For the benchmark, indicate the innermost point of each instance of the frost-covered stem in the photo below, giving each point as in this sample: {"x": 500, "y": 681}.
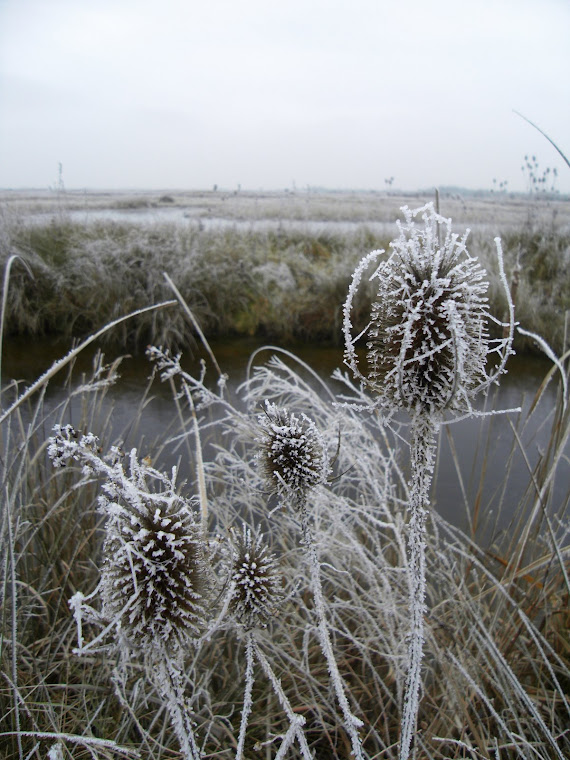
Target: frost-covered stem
{"x": 296, "y": 721}
{"x": 247, "y": 700}
{"x": 169, "y": 682}
{"x": 423, "y": 449}
{"x": 351, "y": 721}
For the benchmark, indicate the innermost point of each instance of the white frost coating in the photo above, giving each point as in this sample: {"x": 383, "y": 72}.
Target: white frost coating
{"x": 247, "y": 700}
{"x": 296, "y": 721}
{"x": 294, "y": 461}
{"x": 349, "y": 341}
{"x": 351, "y": 722}
{"x": 292, "y": 455}
{"x": 56, "y": 751}
{"x": 256, "y": 584}
{"x": 423, "y": 450}
{"x": 553, "y": 358}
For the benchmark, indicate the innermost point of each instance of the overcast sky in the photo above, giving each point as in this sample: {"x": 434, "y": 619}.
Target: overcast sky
{"x": 275, "y": 94}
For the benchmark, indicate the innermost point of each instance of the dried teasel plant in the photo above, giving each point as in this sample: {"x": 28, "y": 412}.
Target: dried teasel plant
{"x": 428, "y": 339}
{"x": 428, "y": 353}
{"x": 255, "y": 592}
{"x": 256, "y": 584}
{"x": 156, "y": 582}
{"x": 294, "y": 463}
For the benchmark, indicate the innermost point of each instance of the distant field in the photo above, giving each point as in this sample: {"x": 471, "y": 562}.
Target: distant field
{"x": 357, "y": 206}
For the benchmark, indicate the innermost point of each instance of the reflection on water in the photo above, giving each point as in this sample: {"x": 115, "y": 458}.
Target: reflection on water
{"x": 481, "y": 469}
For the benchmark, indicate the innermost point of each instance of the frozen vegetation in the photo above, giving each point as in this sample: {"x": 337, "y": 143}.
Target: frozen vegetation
{"x": 271, "y": 265}
{"x": 296, "y": 595}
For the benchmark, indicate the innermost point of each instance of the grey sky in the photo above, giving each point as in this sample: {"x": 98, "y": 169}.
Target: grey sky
{"x": 341, "y": 94}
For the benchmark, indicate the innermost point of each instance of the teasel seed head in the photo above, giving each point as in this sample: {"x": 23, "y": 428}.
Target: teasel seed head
{"x": 428, "y": 338}
{"x": 256, "y": 581}
{"x": 293, "y": 457}
{"x": 156, "y": 580}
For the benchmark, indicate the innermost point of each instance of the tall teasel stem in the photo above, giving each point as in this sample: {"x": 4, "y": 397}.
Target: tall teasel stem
{"x": 423, "y": 449}
{"x": 255, "y": 593}
{"x": 156, "y": 580}
{"x": 169, "y": 682}
{"x": 247, "y": 698}
{"x": 296, "y": 721}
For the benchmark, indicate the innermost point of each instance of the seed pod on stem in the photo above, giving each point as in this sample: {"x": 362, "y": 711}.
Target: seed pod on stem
{"x": 156, "y": 581}
{"x": 292, "y": 454}
{"x": 256, "y": 581}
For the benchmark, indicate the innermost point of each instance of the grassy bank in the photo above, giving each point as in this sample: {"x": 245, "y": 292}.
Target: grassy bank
{"x": 284, "y": 283}
{"x": 281, "y": 284}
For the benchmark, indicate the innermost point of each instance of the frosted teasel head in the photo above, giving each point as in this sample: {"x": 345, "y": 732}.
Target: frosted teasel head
{"x": 256, "y": 582}
{"x": 156, "y": 580}
{"x": 292, "y": 454}
{"x": 428, "y": 337}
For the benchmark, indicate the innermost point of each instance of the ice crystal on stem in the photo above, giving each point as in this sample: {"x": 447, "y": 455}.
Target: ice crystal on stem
{"x": 428, "y": 347}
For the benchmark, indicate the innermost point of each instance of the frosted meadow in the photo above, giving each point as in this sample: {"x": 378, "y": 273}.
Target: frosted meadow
{"x": 296, "y": 596}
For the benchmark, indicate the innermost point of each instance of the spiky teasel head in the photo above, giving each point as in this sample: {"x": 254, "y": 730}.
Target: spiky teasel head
{"x": 256, "y": 581}
{"x": 292, "y": 456}
{"x": 156, "y": 580}
{"x": 428, "y": 336}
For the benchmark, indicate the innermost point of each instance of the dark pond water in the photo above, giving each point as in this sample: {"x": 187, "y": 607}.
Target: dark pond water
{"x": 493, "y": 474}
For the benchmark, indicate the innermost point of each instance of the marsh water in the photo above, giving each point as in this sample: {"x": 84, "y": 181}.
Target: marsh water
{"x": 482, "y": 469}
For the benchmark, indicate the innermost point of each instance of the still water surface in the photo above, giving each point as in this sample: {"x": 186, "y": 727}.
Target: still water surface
{"x": 493, "y": 471}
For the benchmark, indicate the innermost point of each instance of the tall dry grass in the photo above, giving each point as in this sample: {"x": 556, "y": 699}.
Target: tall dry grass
{"x": 496, "y": 670}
